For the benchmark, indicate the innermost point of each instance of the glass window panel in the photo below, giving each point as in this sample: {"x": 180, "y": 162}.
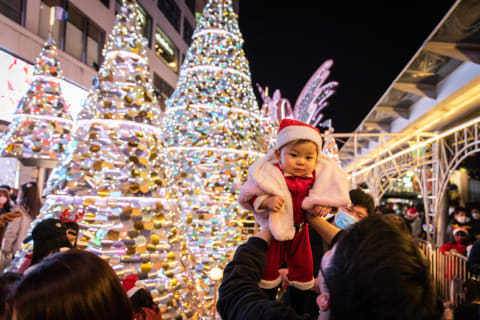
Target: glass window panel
{"x": 12, "y": 9}
{"x": 171, "y": 11}
{"x": 187, "y": 31}
{"x": 166, "y": 50}
{"x": 44, "y": 21}
{"x": 191, "y": 5}
{"x": 74, "y": 41}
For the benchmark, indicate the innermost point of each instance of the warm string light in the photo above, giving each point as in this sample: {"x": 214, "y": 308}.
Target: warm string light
{"x": 113, "y": 178}
{"x": 43, "y": 118}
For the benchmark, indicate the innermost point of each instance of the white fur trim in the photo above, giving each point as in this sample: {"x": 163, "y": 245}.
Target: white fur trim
{"x": 265, "y": 284}
{"x": 133, "y": 290}
{"x": 292, "y": 133}
{"x": 303, "y": 285}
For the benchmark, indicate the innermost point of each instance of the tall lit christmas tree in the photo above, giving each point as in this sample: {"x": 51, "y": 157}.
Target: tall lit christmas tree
{"x": 41, "y": 126}
{"x": 113, "y": 177}
{"x": 213, "y": 133}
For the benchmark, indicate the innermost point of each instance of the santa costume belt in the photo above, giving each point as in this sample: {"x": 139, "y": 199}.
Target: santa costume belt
{"x": 299, "y": 227}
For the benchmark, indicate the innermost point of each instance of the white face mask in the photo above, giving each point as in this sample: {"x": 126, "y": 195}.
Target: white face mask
{"x": 3, "y": 200}
{"x": 461, "y": 219}
{"x": 475, "y": 215}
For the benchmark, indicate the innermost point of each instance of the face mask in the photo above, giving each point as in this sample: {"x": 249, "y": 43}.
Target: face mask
{"x": 344, "y": 220}
{"x": 3, "y": 200}
{"x": 461, "y": 219}
{"x": 475, "y": 216}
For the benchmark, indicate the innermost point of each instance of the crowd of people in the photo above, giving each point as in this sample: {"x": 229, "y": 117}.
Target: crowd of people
{"x": 323, "y": 252}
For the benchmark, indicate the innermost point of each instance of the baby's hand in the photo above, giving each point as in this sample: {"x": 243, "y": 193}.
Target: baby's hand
{"x": 320, "y": 211}
{"x": 273, "y": 203}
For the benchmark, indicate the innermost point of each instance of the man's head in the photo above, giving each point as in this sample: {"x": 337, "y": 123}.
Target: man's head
{"x": 460, "y": 215}
{"x": 362, "y": 207}
{"x": 378, "y": 272}
{"x": 475, "y": 214}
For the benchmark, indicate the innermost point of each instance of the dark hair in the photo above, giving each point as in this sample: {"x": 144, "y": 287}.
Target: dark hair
{"x": 378, "y": 272}
{"x": 72, "y": 285}
{"x": 8, "y": 280}
{"x": 143, "y": 299}
{"x": 50, "y": 242}
{"x": 460, "y": 209}
{"x": 363, "y": 199}
{"x": 30, "y": 199}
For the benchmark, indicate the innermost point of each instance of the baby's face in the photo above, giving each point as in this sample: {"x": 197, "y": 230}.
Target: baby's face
{"x": 298, "y": 159}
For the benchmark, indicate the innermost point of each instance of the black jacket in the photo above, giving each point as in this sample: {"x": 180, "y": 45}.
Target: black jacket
{"x": 240, "y": 297}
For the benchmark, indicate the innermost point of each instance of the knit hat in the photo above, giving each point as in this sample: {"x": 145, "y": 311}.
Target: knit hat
{"x": 460, "y": 229}
{"x": 50, "y": 232}
{"x": 131, "y": 286}
{"x": 412, "y": 212}
{"x": 291, "y": 130}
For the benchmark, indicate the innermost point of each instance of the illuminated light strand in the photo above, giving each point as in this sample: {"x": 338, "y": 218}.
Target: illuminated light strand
{"x": 216, "y": 31}
{"x": 419, "y": 130}
{"x": 141, "y": 126}
{"x": 125, "y": 54}
{"x": 210, "y": 107}
{"x": 217, "y": 69}
{"x": 41, "y": 117}
{"x": 46, "y": 78}
{"x": 241, "y": 152}
{"x": 420, "y": 145}
{"x": 146, "y": 199}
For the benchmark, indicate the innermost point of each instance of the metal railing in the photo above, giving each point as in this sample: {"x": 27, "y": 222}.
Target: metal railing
{"x": 448, "y": 271}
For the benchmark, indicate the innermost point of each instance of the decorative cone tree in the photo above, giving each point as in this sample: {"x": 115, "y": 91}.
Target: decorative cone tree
{"x": 213, "y": 133}
{"x": 113, "y": 177}
{"x": 42, "y": 124}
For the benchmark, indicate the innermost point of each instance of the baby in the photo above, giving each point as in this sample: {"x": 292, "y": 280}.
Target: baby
{"x": 290, "y": 179}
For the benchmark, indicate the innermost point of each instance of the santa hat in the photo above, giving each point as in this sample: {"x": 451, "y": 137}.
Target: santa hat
{"x": 131, "y": 286}
{"x": 460, "y": 229}
{"x": 412, "y": 212}
{"x": 291, "y": 130}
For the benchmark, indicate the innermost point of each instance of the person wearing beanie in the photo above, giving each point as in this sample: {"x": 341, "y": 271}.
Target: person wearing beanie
{"x": 142, "y": 301}
{"x": 290, "y": 180}
{"x": 414, "y": 221}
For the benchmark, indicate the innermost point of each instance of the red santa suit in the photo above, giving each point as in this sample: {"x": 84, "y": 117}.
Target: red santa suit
{"x": 327, "y": 187}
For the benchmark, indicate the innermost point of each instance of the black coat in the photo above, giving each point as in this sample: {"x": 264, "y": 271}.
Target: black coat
{"x": 240, "y": 297}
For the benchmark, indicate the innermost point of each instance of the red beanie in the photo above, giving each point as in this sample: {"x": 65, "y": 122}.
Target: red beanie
{"x": 291, "y": 130}
{"x": 131, "y": 286}
{"x": 412, "y": 212}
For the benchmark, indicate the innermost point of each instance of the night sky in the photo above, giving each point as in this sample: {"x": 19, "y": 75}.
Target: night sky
{"x": 370, "y": 42}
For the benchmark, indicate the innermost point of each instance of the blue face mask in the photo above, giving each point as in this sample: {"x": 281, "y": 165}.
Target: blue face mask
{"x": 343, "y": 220}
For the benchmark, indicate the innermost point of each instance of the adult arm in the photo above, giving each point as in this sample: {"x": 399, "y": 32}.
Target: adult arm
{"x": 240, "y": 297}
{"x": 327, "y": 231}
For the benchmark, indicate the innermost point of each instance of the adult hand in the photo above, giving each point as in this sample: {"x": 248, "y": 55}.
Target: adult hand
{"x": 265, "y": 234}
{"x": 321, "y": 211}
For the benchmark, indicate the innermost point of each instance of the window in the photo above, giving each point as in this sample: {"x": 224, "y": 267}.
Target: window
{"x": 13, "y": 9}
{"x": 74, "y": 33}
{"x": 166, "y": 50}
{"x": 106, "y": 3}
{"x": 145, "y": 20}
{"x": 171, "y": 12}
{"x": 162, "y": 89}
{"x": 95, "y": 41}
{"x": 44, "y": 21}
{"x": 191, "y": 5}
{"x": 187, "y": 31}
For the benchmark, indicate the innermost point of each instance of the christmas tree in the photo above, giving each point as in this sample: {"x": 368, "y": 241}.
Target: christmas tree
{"x": 41, "y": 125}
{"x": 213, "y": 133}
{"x": 113, "y": 177}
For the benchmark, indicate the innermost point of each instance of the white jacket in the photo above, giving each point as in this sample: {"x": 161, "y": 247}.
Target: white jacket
{"x": 331, "y": 188}
{"x": 16, "y": 232}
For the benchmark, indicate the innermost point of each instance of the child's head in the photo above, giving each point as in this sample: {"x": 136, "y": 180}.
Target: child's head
{"x": 298, "y": 147}
{"x": 460, "y": 235}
